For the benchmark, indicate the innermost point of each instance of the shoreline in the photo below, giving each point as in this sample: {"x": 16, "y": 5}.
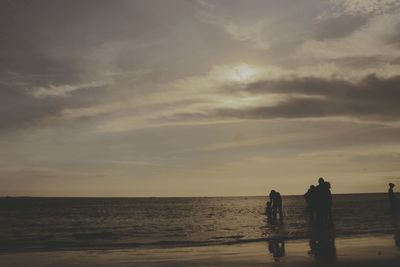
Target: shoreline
{"x": 342, "y": 251}
{"x": 191, "y": 244}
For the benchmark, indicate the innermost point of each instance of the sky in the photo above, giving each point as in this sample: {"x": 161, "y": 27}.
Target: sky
{"x": 198, "y": 98}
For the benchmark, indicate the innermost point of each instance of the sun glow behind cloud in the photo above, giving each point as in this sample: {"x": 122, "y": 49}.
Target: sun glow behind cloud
{"x": 241, "y": 72}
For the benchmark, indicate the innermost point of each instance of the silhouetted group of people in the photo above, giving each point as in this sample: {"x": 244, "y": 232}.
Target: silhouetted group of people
{"x": 319, "y": 201}
{"x": 319, "y": 206}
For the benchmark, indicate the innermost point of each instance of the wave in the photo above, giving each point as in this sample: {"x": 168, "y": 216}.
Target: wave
{"x": 227, "y": 240}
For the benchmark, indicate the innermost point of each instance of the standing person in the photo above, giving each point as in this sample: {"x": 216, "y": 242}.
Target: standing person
{"x": 323, "y": 200}
{"x": 329, "y": 201}
{"x": 393, "y": 201}
{"x": 276, "y": 201}
{"x": 310, "y": 200}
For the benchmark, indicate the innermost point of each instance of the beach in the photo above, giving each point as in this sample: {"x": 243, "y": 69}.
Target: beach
{"x": 234, "y": 231}
{"x": 350, "y": 251}
{"x": 196, "y": 133}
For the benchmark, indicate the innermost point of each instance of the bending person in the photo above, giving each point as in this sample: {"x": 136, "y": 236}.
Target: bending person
{"x": 276, "y": 203}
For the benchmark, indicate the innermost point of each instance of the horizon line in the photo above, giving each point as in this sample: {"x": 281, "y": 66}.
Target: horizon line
{"x": 354, "y": 193}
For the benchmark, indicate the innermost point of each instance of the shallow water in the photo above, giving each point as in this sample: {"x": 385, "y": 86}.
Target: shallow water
{"x": 83, "y": 223}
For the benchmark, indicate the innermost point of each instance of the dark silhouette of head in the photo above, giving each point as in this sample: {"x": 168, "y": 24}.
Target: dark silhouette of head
{"x": 391, "y": 185}
{"x": 272, "y": 191}
{"x": 321, "y": 180}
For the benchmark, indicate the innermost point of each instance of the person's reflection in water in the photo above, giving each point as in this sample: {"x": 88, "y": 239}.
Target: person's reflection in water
{"x": 273, "y": 231}
{"x": 396, "y": 224}
{"x": 322, "y": 243}
{"x": 277, "y": 248}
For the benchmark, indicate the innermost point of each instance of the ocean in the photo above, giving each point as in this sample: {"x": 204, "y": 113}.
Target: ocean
{"x": 46, "y": 224}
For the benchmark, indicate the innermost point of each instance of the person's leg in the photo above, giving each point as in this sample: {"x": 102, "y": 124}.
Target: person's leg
{"x": 330, "y": 213}
{"x": 274, "y": 211}
{"x": 319, "y": 214}
{"x": 312, "y": 213}
{"x": 280, "y": 212}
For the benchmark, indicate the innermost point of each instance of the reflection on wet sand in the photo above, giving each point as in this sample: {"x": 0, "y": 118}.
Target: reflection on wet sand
{"x": 276, "y": 245}
{"x": 322, "y": 243}
{"x": 277, "y": 249}
{"x": 396, "y": 224}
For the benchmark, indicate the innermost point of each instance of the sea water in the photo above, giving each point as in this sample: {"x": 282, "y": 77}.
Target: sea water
{"x": 105, "y": 223}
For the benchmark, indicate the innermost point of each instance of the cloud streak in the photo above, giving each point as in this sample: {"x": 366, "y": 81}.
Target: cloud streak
{"x": 65, "y": 90}
{"x": 371, "y": 98}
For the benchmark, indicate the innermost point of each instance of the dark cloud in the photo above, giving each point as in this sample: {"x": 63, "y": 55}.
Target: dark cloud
{"x": 338, "y": 27}
{"x": 55, "y": 36}
{"x": 361, "y": 62}
{"x": 395, "y": 61}
{"x": 20, "y": 109}
{"x": 393, "y": 37}
{"x": 371, "y": 98}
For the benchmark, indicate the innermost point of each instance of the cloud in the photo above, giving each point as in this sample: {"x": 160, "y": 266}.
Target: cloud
{"x": 379, "y": 37}
{"x": 371, "y": 98}
{"x": 367, "y": 7}
{"x": 229, "y": 93}
{"x": 29, "y": 106}
{"x": 251, "y": 33}
{"x": 65, "y": 90}
{"x": 337, "y": 27}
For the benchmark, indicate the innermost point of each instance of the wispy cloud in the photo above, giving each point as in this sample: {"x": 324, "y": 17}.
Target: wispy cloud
{"x": 66, "y": 90}
{"x": 251, "y": 33}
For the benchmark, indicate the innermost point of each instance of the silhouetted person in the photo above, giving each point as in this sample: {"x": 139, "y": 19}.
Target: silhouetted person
{"x": 310, "y": 200}
{"x": 276, "y": 203}
{"x": 323, "y": 201}
{"x": 268, "y": 211}
{"x": 277, "y": 248}
{"x": 393, "y": 201}
{"x": 329, "y": 201}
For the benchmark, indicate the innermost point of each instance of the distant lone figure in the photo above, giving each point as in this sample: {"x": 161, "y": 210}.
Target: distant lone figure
{"x": 393, "y": 201}
{"x": 276, "y": 203}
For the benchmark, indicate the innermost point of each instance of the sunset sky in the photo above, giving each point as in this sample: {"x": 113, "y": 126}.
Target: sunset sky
{"x": 198, "y": 98}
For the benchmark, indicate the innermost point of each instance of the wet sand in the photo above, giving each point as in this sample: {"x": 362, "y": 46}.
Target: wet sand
{"x": 355, "y": 251}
